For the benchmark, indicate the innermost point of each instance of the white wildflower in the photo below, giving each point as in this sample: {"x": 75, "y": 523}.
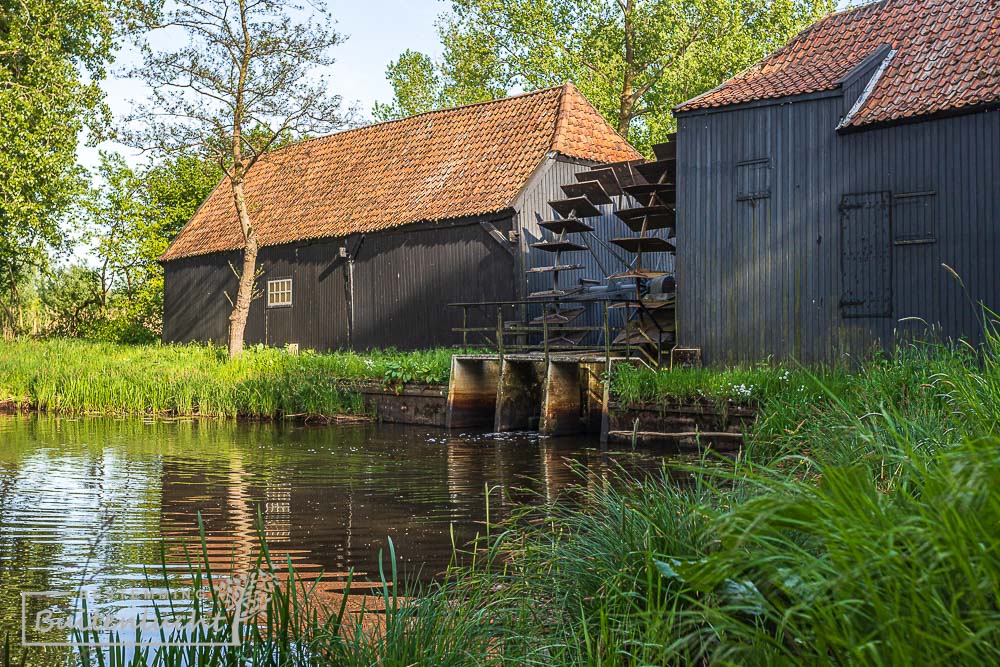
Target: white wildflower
{"x": 741, "y": 391}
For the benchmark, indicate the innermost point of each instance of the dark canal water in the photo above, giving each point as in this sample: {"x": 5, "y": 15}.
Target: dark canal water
{"x": 96, "y": 503}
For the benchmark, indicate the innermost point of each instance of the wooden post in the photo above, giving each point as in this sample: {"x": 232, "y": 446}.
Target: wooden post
{"x": 465, "y": 326}
{"x": 500, "y": 332}
{"x": 545, "y": 335}
{"x": 607, "y": 335}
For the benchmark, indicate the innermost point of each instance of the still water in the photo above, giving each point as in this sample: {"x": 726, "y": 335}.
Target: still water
{"x": 96, "y": 503}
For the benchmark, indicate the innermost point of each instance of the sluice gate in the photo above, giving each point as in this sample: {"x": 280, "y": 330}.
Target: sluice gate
{"x": 553, "y": 394}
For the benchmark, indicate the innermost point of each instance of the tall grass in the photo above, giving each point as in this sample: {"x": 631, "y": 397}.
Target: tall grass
{"x": 861, "y": 526}
{"x": 931, "y": 390}
{"x": 86, "y": 377}
{"x": 878, "y": 544}
{"x": 301, "y": 624}
{"x": 753, "y": 384}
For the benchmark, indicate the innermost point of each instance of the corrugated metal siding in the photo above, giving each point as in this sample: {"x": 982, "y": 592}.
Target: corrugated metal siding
{"x": 764, "y": 282}
{"x": 403, "y": 280}
{"x": 602, "y": 260}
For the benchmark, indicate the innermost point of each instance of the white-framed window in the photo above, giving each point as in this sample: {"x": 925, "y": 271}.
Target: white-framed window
{"x": 279, "y": 293}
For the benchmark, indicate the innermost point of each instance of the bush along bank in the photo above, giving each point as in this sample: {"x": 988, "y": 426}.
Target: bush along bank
{"x": 80, "y": 377}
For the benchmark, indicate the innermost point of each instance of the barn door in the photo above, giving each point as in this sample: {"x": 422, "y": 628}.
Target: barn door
{"x": 866, "y": 255}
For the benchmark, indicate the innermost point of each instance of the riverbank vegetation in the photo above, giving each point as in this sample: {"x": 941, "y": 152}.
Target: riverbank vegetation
{"x": 79, "y": 377}
{"x": 860, "y": 526}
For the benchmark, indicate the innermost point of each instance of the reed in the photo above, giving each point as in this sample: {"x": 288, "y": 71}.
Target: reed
{"x": 71, "y": 376}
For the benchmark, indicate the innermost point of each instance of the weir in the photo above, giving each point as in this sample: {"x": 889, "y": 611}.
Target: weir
{"x": 553, "y": 394}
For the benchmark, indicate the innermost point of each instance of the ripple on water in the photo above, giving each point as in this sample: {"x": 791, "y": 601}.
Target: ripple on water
{"x": 97, "y": 503}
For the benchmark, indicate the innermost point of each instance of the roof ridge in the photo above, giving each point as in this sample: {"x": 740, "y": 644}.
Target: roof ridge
{"x": 383, "y": 123}
{"x": 848, "y": 10}
{"x": 557, "y": 126}
{"x": 455, "y": 164}
{"x": 499, "y": 100}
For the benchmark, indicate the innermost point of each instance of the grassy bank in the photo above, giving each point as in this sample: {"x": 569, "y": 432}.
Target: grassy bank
{"x": 861, "y": 526}
{"x": 70, "y": 376}
{"x": 930, "y": 390}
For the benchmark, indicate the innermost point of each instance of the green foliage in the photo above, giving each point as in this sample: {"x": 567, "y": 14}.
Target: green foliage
{"x": 129, "y": 219}
{"x": 758, "y": 566}
{"x": 798, "y": 409}
{"x": 72, "y": 376}
{"x": 749, "y": 385}
{"x": 877, "y": 544}
{"x": 634, "y": 59}
{"x": 884, "y": 553}
{"x": 53, "y": 55}
{"x": 427, "y": 367}
{"x": 176, "y": 186}
{"x": 126, "y": 220}
{"x": 73, "y": 301}
{"x": 417, "y": 86}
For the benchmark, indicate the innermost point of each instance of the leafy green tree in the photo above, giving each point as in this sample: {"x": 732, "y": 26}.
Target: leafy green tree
{"x": 176, "y": 186}
{"x": 53, "y": 54}
{"x": 417, "y": 84}
{"x": 124, "y": 234}
{"x": 241, "y": 65}
{"x": 634, "y": 59}
{"x": 129, "y": 217}
{"x": 71, "y": 297}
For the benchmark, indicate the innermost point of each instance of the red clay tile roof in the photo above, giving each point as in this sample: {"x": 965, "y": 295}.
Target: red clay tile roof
{"x": 470, "y": 160}
{"x": 947, "y": 58}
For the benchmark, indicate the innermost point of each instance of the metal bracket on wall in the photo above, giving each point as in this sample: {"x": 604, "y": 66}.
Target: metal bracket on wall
{"x": 498, "y": 236}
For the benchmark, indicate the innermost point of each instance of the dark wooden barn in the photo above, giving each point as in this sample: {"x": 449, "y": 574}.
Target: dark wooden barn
{"x": 826, "y": 195}
{"x": 367, "y": 235}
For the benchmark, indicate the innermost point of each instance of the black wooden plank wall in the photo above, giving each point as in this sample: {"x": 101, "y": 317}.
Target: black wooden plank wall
{"x": 761, "y": 200}
{"x": 403, "y": 280}
{"x": 194, "y": 298}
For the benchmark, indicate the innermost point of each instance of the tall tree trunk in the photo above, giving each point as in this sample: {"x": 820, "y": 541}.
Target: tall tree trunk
{"x": 248, "y": 274}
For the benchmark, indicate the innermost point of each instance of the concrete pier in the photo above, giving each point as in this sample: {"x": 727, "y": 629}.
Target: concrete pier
{"x": 562, "y": 409}
{"x": 561, "y": 395}
{"x": 519, "y": 397}
{"x": 472, "y": 394}
{"x": 573, "y": 397}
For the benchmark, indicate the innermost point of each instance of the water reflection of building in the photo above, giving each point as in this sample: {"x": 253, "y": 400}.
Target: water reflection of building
{"x": 330, "y": 499}
{"x": 277, "y": 511}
